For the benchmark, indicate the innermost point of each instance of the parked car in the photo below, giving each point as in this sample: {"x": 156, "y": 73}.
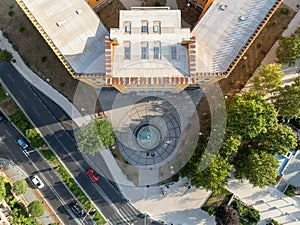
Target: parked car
{"x": 2, "y": 117}
{"x": 92, "y": 175}
{"x": 77, "y": 210}
{"x": 37, "y": 181}
{"x": 22, "y": 143}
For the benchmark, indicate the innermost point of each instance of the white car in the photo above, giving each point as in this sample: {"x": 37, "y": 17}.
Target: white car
{"x": 37, "y": 181}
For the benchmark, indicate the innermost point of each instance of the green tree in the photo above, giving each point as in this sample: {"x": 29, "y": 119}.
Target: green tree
{"x": 105, "y": 132}
{"x": 226, "y": 215}
{"x": 287, "y": 100}
{"x": 250, "y": 114}
{"x": 36, "y": 208}
{"x": 231, "y": 143}
{"x": 2, "y": 188}
{"x": 88, "y": 139}
{"x": 269, "y": 77}
{"x": 34, "y": 137}
{"x": 214, "y": 176}
{"x": 260, "y": 168}
{"x": 278, "y": 139}
{"x": 288, "y": 50}
{"x": 19, "y": 187}
{"x": 5, "y": 56}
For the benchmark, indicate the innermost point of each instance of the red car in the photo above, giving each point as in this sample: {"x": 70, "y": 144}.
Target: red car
{"x": 92, "y": 175}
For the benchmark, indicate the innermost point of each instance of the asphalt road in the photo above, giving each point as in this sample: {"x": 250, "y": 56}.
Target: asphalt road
{"x": 48, "y": 117}
{"x": 54, "y": 191}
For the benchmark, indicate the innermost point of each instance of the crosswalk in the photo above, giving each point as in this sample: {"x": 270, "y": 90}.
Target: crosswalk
{"x": 129, "y": 215}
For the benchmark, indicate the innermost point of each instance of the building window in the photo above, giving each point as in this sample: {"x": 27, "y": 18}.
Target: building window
{"x": 127, "y": 50}
{"x": 173, "y": 52}
{"x": 156, "y": 27}
{"x": 156, "y": 52}
{"x": 144, "y": 53}
{"x": 144, "y": 28}
{"x": 127, "y": 27}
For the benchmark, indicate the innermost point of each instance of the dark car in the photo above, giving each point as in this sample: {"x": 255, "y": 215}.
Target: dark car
{"x": 92, "y": 175}
{"x": 77, "y": 210}
{"x": 2, "y": 117}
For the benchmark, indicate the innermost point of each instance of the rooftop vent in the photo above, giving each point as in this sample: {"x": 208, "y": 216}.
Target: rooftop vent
{"x": 58, "y": 24}
{"x": 243, "y": 18}
{"x": 78, "y": 11}
{"x": 223, "y": 7}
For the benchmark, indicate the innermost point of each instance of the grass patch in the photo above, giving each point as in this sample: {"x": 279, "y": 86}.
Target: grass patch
{"x": 109, "y": 13}
{"x": 188, "y": 14}
{"x": 155, "y": 2}
{"x": 215, "y": 200}
{"x": 72, "y": 185}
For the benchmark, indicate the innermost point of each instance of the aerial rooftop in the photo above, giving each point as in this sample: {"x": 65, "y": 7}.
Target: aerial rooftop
{"x": 75, "y": 30}
{"x": 225, "y": 29}
{"x": 149, "y": 48}
{"x": 149, "y": 44}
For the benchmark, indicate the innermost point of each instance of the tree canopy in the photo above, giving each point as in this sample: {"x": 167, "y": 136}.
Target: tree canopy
{"x": 226, "y": 215}
{"x": 287, "y": 100}
{"x": 214, "y": 176}
{"x": 288, "y": 50}
{"x": 5, "y": 55}
{"x": 19, "y": 187}
{"x": 250, "y": 114}
{"x": 95, "y": 135}
{"x": 2, "y": 188}
{"x": 268, "y": 78}
{"x": 88, "y": 139}
{"x": 259, "y": 167}
{"x": 278, "y": 139}
{"x": 36, "y": 208}
{"x": 106, "y": 133}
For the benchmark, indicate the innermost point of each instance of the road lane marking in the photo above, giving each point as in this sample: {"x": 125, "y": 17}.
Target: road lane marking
{"x": 10, "y": 77}
{"x": 54, "y": 192}
{"x": 36, "y": 111}
{"x": 7, "y": 132}
{"x": 22, "y": 93}
{"x": 109, "y": 202}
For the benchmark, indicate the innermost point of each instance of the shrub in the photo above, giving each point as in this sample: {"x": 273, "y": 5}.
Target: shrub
{"x": 34, "y": 138}
{"x": 5, "y": 56}
{"x": 11, "y": 13}
{"x": 44, "y": 59}
{"x": 285, "y": 11}
{"x": 290, "y": 191}
{"x": 19, "y": 187}
{"x": 61, "y": 84}
{"x": 273, "y": 222}
{"x": 22, "y": 29}
{"x": 36, "y": 208}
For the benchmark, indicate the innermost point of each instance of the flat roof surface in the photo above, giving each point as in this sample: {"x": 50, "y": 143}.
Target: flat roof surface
{"x": 75, "y": 30}
{"x": 223, "y": 31}
{"x": 170, "y": 36}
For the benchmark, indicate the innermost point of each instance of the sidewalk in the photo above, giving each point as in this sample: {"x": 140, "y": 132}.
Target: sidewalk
{"x": 178, "y": 205}
{"x": 15, "y": 173}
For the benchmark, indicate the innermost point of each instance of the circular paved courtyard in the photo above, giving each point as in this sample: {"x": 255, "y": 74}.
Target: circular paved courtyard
{"x": 153, "y": 132}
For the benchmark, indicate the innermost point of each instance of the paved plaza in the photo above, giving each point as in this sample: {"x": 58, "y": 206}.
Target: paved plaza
{"x": 270, "y": 202}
